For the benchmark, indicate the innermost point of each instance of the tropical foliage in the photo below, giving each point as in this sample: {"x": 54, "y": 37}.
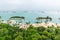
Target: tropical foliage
{"x": 8, "y": 32}
{"x": 20, "y": 18}
{"x": 39, "y": 19}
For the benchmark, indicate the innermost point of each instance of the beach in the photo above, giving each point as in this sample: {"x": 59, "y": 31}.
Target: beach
{"x": 25, "y": 26}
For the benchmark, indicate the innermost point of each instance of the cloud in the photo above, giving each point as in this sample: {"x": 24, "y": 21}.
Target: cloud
{"x": 30, "y": 4}
{"x": 10, "y": 4}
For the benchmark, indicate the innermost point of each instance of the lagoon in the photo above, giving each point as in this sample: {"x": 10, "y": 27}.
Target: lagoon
{"x": 31, "y": 15}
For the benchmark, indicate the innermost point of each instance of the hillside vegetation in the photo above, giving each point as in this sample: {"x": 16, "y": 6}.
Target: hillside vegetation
{"x": 8, "y": 32}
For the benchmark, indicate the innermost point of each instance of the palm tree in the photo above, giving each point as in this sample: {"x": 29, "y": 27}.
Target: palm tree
{"x": 18, "y": 18}
{"x": 0, "y": 16}
{"x": 0, "y": 20}
{"x": 46, "y": 18}
{"x": 28, "y": 22}
{"x": 38, "y": 19}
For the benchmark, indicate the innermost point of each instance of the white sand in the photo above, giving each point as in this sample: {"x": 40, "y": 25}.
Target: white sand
{"x": 21, "y": 25}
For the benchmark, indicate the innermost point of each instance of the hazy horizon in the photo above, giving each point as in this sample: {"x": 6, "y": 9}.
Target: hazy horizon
{"x": 30, "y": 5}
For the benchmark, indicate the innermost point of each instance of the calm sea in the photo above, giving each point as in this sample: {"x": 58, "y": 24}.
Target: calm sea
{"x": 31, "y": 15}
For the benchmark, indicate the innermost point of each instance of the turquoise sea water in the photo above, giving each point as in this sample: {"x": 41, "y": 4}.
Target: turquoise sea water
{"x": 31, "y": 15}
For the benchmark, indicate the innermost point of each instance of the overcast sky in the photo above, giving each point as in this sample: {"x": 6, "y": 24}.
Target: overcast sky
{"x": 29, "y": 4}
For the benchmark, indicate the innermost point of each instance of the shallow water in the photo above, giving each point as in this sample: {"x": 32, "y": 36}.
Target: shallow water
{"x": 31, "y": 15}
